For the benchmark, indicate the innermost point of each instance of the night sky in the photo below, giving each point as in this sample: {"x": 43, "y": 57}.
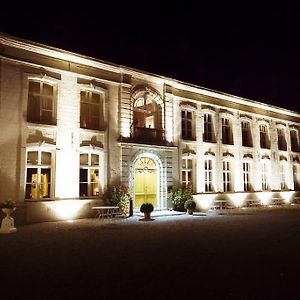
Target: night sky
{"x": 251, "y": 51}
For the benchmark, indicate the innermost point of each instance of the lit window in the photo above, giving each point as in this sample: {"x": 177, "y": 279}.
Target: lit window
{"x": 91, "y": 110}
{"x": 265, "y": 176}
{"x": 227, "y": 137}
{"x": 208, "y": 175}
{"x": 246, "y": 176}
{"x": 38, "y": 174}
{"x": 89, "y": 184}
{"x": 227, "y": 177}
{"x": 186, "y": 124}
{"x": 264, "y": 139}
{"x": 246, "y": 134}
{"x": 281, "y": 139}
{"x": 187, "y": 173}
{"x": 208, "y": 128}
{"x": 294, "y": 140}
{"x": 40, "y": 106}
{"x": 145, "y": 113}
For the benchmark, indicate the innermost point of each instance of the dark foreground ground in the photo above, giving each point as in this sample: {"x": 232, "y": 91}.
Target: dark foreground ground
{"x": 251, "y": 254}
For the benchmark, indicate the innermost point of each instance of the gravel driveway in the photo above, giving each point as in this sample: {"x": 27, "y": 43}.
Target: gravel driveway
{"x": 247, "y": 254}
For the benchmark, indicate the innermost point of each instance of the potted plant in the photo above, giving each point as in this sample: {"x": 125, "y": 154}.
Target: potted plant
{"x": 7, "y": 224}
{"x": 147, "y": 209}
{"x": 190, "y": 206}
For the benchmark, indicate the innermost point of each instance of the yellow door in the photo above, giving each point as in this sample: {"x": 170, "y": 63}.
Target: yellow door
{"x": 145, "y": 183}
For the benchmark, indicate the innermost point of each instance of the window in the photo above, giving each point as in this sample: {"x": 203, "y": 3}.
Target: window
{"x": 246, "y": 134}
{"x": 296, "y": 177}
{"x": 91, "y": 110}
{"x": 294, "y": 140}
{"x": 281, "y": 139}
{"x": 227, "y": 137}
{"x": 89, "y": 175}
{"x": 282, "y": 170}
{"x": 186, "y": 124}
{"x": 41, "y": 101}
{"x": 246, "y": 176}
{"x": 208, "y": 128}
{"x": 38, "y": 174}
{"x": 265, "y": 175}
{"x": 264, "y": 141}
{"x": 227, "y": 177}
{"x": 208, "y": 175}
{"x": 145, "y": 113}
{"x": 187, "y": 173}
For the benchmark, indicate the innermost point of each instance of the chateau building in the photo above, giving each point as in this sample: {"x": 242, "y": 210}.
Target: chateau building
{"x": 72, "y": 126}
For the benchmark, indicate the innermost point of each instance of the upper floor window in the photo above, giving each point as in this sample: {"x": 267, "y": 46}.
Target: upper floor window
{"x": 41, "y": 102}
{"x": 281, "y": 139}
{"x": 208, "y": 128}
{"x": 246, "y": 134}
{"x": 145, "y": 113}
{"x": 208, "y": 175}
{"x": 294, "y": 140}
{"x": 187, "y": 173}
{"x": 264, "y": 136}
{"x": 187, "y": 124}
{"x": 91, "y": 110}
{"x": 227, "y": 176}
{"x": 89, "y": 180}
{"x": 227, "y": 136}
{"x": 38, "y": 174}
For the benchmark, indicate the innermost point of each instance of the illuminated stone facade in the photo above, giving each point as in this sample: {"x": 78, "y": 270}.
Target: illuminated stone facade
{"x": 72, "y": 126}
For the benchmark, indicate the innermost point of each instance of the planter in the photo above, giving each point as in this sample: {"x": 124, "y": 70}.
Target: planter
{"x": 8, "y": 223}
{"x": 190, "y": 211}
{"x": 147, "y": 216}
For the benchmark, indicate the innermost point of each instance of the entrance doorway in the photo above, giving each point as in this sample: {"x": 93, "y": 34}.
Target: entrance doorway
{"x": 145, "y": 182}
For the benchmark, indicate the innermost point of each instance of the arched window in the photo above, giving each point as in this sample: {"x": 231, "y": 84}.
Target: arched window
{"x": 145, "y": 113}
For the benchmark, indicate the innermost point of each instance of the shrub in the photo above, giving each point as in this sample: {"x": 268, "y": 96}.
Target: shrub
{"x": 146, "y": 208}
{"x": 190, "y": 204}
{"x": 8, "y": 204}
{"x": 179, "y": 198}
{"x": 117, "y": 194}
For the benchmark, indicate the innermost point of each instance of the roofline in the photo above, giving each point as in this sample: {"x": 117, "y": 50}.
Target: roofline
{"x": 58, "y": 53}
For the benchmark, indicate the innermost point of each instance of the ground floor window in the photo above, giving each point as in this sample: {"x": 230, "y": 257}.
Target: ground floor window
{"x": 246, "y": 176}
{"x": 38, "y": 174}
{"x": 89, "y": 183}
{"x": 296, "y": 177}
{"x": 265, "y": 176}
{"x": 187, "y": 173}
{"x": 227, "y": 176}
{"x": 208, "y": 175}
{"x": 283, "y": 183}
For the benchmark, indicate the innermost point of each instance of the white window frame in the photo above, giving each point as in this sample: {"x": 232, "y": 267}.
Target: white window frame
{"x": 247, "y": 180}
{"x": 209, "y": 174}
{"x": 227, "y": 175}
{"x": 43, "y": 147}
{"x": 89, "y": 151}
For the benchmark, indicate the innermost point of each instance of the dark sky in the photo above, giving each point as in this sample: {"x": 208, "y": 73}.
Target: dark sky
{"x": 247, "y": 50}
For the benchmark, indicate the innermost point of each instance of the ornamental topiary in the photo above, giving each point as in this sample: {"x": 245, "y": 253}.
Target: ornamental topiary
{"x": 146, "y": 208}
{"x": 190, "y": 204}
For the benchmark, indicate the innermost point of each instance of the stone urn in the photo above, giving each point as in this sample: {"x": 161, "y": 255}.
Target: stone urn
{"x": 8, "y": 223}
